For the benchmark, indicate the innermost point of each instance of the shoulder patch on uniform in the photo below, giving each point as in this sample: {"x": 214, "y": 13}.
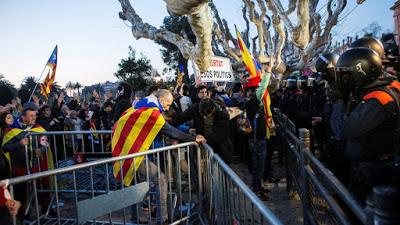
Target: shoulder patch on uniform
{"x": 395, "y": 84}
{"x": 383, "y": 97}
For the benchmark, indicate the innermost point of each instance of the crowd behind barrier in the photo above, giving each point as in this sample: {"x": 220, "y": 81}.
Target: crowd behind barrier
{"x": 205, "y": 191}
{"x": 347, "y": 111}
{"x": 70, "y": 132}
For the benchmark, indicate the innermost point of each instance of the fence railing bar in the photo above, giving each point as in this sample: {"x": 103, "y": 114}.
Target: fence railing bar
{"x": 269, "y": 215}
{"x": 26, "y": 178}
{"x": 339, "y": 188}
{"x": 328, "y": 198}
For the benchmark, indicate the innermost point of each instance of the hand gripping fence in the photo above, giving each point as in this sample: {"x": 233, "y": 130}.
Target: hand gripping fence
{"x": 183, "y": 183}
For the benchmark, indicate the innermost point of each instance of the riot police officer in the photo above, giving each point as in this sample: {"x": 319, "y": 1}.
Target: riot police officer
{"x": 369, "y": 126}
{"x": 332, "y": 145}
{"x": 288, "y": 97}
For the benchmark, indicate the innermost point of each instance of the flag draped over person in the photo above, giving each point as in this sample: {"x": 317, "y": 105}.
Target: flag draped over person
{"x": 14, "y": 130}
{"x": 134, "y": 132}
{"x": 51, "y": 65}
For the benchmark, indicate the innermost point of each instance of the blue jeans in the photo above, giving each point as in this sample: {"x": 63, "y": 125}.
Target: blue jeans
{"x": 258, "y": 151}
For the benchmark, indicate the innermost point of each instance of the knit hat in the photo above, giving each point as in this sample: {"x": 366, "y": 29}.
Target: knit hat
{"x": 30, "y": 106}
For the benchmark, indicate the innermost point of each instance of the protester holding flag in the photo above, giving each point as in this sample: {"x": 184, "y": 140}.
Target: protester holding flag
{"x": 134, "y": 132}
{"x": 258, "y": 138}
{"x": 259, "y": 113}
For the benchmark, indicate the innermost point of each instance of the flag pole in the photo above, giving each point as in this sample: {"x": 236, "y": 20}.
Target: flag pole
{"x": 37, "y": 83}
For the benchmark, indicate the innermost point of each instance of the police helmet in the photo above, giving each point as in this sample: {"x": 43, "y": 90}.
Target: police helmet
{"x": 325, "y": 66}
{"x": 326, "y": 61}
{"x": 302, "y": 82}
{"x": 358, "y": 67}
{"x": 372, "y": 43}
{"x": 291, "y": 82}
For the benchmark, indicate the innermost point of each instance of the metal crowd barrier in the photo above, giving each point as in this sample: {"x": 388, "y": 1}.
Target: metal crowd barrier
{"x": 193, "y": 184}
{"x": 230, "y": 200}
{"x": 325, "y": 200}
{"x": 71, "y": 147}
{"x": 67, "y": 145}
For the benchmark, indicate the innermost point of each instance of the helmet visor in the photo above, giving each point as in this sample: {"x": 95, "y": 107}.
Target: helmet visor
{"x": 343, "y": 74}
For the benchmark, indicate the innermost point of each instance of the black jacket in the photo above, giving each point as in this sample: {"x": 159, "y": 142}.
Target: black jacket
{"x": 369, "y": 129}
{"x": 254, "y": 108}
{"x": 220, "y": 137}
{"x": 120, "y": 107}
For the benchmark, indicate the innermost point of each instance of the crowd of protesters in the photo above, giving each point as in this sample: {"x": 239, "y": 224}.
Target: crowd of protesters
{"x": 342, "y": 115}
{"x": 201, "y": 113}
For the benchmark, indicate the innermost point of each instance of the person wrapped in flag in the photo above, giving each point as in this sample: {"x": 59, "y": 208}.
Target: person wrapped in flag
{"x": 134, "y": 132}
{"x": 16, "y": 139}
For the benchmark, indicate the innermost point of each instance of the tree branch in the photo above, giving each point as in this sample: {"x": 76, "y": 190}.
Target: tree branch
{"x": 254, "y": 39}
{"x": 276, "y": 6}
{"x": 281, "y": 40}
{"x": 291, "y": 7}
{"x": 267, "y": 35}
{"x": 258, "y": 20}
{"x": 199, "y": 21}
{"x": 225, "y": 43}
{"x": 184, "y": 7}
{"x": 323, "y": 37}
{"x": 224, "y": 34}
{"x": 301, "y": 33}
{"x": 247, "y": 31}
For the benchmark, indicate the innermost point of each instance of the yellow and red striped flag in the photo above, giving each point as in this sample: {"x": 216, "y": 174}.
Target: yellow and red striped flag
{"x": 134, "y": 132}
{"x": 266, "y": 100}
{"x": 252, "y": 66}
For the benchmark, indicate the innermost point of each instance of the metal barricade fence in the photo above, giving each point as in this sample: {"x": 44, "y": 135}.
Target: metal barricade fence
{"x": 183, "y": 183}
{"x": 65, "y": 146}
{"x": 160, "y": 186}
{"x": 325, "y": 200}
{"x": 230, "y": 200}
{"x": 70, "y": 147}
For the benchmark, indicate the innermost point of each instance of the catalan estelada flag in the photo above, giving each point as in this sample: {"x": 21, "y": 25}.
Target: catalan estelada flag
{"x": 51, "y": 65}
{"x": 134, "y": 132}
{"x": 252, "y": 66}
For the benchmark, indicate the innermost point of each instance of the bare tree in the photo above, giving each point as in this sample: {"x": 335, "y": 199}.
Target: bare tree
{"x": 292, "y": 43}
{"x": 278, "y": 35}
{"x": 199, "y": 19}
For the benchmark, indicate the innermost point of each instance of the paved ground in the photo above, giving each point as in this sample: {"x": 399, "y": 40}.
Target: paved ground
{"x": 288, "y": 210}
